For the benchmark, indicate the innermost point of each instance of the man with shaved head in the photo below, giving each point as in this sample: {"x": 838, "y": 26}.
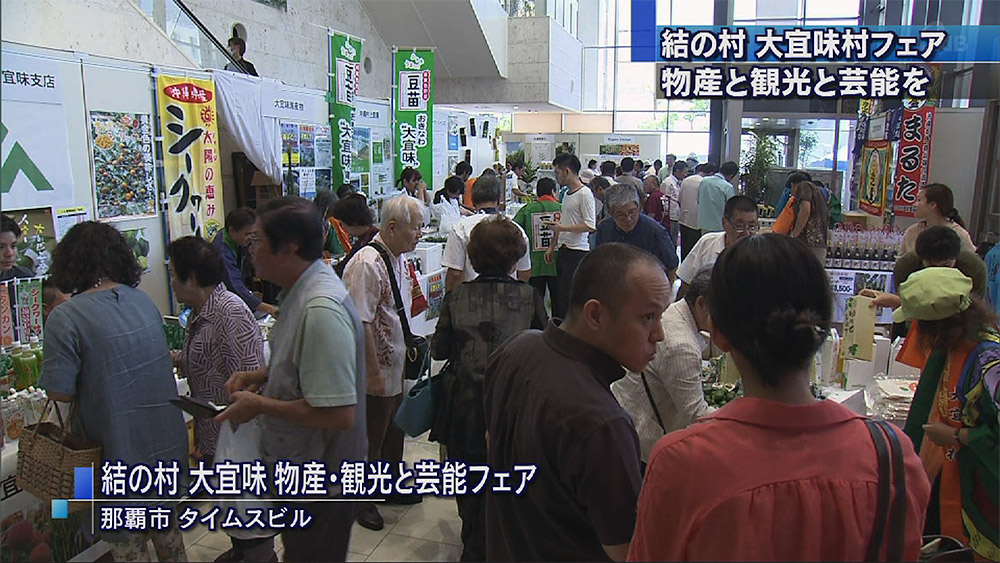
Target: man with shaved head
{"x": 548, "y": 402}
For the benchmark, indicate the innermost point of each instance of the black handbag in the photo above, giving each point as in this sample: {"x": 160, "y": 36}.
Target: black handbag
{"x": 418, "y": 348}
{"x": 934, "y": 548}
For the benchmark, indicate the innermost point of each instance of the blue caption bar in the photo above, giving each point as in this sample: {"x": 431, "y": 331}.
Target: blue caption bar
{"x": 83, "y": 482}
{"x": 811, "y": 43}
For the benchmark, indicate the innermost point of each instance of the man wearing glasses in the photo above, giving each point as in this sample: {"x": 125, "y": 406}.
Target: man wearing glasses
{"x": 739, "y": 219}
{"x": 625, "y": 223}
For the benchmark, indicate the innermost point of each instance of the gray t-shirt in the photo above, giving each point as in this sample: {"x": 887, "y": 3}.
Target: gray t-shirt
{"x": 109, "y": 351}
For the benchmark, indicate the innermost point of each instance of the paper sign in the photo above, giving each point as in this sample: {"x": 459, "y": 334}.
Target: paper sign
{"x": 66, "y": 218}
{"x": 859, "y": 329}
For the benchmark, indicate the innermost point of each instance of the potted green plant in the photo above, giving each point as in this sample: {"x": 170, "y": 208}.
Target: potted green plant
{"x": 756, "y": 165}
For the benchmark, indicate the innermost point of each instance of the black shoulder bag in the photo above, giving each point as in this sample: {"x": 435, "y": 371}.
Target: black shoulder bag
{"x": 418, "y": 349}
{"x": 934, "y": 548}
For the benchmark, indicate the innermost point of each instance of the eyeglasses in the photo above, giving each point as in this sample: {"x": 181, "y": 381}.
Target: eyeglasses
{"x": 621, "y": 216}
{"x": 746, "y": 229}
{"x": 254, "y": 240}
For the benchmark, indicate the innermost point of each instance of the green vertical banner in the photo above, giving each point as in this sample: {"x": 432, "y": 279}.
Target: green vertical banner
{"x": 414, "y": 102}
{"x": 345, "y": 71}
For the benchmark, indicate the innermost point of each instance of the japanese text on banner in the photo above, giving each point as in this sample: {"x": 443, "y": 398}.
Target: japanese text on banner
{"x": 913, "y": 160}
{"x": 190, "y": 156}
{"x": 414, "y": 99}
{"x": 345, "y": 73}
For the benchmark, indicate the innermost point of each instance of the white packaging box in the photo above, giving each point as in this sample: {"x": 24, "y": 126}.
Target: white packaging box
{"x": 429, "y": 254}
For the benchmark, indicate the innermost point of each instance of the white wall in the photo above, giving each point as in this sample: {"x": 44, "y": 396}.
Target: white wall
{"x": 114, "y": 28}
{"x": 288, "y": 45}
{"x": 565, "y": 60}
{"x": 954, "y": 156}
{"x": 292, "y": 45}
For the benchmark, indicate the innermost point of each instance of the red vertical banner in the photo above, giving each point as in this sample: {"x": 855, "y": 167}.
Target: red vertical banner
{"x": 913, "y": 160}
{"x": 6, "y": 318}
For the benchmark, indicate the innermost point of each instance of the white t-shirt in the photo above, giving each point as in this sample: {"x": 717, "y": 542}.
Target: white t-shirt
{"x": 689, "y": 201}
{"x": 704, "y": 253}
{"x": 578, "y": 207}
{"x": 456, "y": 257}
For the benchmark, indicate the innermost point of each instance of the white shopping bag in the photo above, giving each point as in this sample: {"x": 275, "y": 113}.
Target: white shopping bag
{"x": 241, "y": 445}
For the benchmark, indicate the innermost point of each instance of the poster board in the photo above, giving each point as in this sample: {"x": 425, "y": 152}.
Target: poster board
{"x": 373, "y": 118}
{"x": 125, "y": 88}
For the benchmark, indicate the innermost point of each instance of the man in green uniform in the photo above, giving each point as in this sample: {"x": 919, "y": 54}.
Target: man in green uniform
{"x": 536, "y": 218}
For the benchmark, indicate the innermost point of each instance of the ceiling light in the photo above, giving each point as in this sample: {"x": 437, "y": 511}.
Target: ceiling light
{"x": 765, "y": 119}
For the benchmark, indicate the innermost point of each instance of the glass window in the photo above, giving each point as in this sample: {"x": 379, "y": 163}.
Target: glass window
{"x": 685, "y": 145}
{"x": 826, "y": 9}
{"x": 691, "y": 13}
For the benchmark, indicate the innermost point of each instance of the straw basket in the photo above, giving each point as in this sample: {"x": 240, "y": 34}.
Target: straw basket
{"x": 47, "y": 455}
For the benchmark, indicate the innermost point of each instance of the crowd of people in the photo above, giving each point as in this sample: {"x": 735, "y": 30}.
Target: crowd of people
{"x": 603, "y": 394}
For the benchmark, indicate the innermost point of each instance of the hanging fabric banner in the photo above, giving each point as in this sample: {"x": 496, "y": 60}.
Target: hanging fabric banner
{"x": 6, "y": 318}
{"x": 191, "y": 170}
{"x": 29, "y": 307}
{"x": 345, "y": 71}
{"x": 414, "y": 102}
{"x": 874, "y": 175}
{"x": 913, "y": 161}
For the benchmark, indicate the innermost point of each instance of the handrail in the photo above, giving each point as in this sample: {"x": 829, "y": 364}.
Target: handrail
{"x": 201, "y": 27}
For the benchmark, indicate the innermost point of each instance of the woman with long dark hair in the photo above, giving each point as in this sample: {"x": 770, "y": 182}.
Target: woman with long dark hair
{"x": 787, "y": 476}
{"x": 953, "y": 417}
{"x": 936, "y": 206}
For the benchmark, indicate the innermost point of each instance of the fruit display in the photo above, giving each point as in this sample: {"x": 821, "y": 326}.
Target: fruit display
{"x": 137, "y": 241}
{"x": 720, "y": 394}
{"x": 36, "y": 537}
{"x": 175, "y": 336}
{"x": 123, "y": 164}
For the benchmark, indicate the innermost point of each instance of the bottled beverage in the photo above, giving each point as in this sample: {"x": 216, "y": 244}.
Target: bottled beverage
{"x": 829, "y": 254}
{"x": 866, "y": 258}
{"x": 838, "y": 256}
{"x": 887, "y": 261}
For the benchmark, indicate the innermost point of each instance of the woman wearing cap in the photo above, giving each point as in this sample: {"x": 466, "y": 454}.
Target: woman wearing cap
{"x": 953, "y": 418}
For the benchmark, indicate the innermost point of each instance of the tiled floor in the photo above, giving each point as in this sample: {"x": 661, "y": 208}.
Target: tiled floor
{"x": 429, "y": 531}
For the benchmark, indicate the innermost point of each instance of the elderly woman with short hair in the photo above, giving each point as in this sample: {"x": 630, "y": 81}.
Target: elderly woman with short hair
{"x": 221, "y": 339}
{"x": 106, "y": 350}
{"x": 476, "y": 318}
{"x": 222, "y": 336}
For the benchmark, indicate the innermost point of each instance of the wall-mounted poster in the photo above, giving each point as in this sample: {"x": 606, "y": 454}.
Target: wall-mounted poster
{"x": 139, "y": 243}
{"x": 323, "y": 147}
{"x": 38, "y": 238}
{"x": 307, "y": 155}
{"x": 123, "y": 165}
{"x": 619, "y": 150}
{"x": 36, "y": 156}
{"x": 290, "y": 144}
{"x": 567, "y": 147}
{"x": 361, "y": 152}
{"x": 874, "y": 176}
{"x": 452, "y": 132}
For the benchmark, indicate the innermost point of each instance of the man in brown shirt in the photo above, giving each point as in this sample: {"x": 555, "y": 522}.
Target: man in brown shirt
{"x": 548, "y": 402}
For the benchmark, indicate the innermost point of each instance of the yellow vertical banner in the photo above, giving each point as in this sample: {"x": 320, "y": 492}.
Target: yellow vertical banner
{"x": 191, "y": 171}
